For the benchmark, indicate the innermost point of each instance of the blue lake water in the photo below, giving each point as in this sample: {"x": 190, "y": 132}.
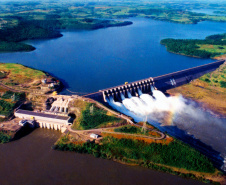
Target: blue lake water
{"x": 91, "y": 60}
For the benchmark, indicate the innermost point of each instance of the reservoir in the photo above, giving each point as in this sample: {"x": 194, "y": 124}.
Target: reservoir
{"x": 87, "y": 61}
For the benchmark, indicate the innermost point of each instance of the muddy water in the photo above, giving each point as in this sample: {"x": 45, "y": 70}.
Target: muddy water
{"x": 30, "y": 160}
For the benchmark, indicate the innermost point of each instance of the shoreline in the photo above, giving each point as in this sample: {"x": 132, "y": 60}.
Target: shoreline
{"x": 205, "y": 177}
{"x": 154, "y": 166}
{"x": 221, "y": 57}
{"x": 29, "y": 48}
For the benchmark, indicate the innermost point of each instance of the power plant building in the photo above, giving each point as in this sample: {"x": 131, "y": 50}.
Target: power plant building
{"x": 42, "y": 117}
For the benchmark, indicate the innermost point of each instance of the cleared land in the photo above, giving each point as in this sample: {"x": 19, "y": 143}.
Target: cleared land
{"x": 213, "y": 48}
{"x": 19, "y": 78}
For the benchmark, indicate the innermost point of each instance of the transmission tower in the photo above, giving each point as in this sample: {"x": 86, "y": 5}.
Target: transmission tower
{"x": 144, "y": 127}
{"x": 91, "y": 109}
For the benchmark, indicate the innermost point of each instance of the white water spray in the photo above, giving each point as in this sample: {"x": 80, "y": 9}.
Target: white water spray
{"x": 184, "y": 114}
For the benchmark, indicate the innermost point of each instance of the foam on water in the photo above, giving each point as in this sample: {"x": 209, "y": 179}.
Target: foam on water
{"x": 183, "y": 114}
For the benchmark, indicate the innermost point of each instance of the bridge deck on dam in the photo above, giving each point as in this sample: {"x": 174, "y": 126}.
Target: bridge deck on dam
{"x": 163, "y": 83}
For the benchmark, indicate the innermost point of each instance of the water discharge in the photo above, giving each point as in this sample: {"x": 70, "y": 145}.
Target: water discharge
{"x": 179, "y": 117}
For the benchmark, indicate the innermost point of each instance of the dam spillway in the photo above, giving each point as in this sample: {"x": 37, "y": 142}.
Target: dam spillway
{"x": 143, "y": 100}
{"x": 162, "y": 83}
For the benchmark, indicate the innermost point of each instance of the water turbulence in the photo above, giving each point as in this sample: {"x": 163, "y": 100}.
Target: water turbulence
{"x": 179, "y": 117}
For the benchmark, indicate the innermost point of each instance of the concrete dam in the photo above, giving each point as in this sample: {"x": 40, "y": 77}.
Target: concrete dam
{"x": 144, "y": 101}
{"x": 162, "y": 83}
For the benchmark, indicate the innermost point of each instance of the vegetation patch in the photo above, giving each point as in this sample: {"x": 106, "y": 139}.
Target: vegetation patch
{"x": 216, "y": 78}
{"x": 129, "y": 129}
{"x": 93, "y": 117}
{"x": 21, "y": 78}
{"x": 2, "y": 74}
{"x": 14, "y": 46}
{"x": 175, "y": 154}
{"x": 8, "y": 101}
{"x": 4, "y": 138}
{"x": 212, "y": 46}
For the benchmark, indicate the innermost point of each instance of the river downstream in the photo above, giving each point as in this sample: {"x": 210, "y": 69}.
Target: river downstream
{"x": 31, "y": 160}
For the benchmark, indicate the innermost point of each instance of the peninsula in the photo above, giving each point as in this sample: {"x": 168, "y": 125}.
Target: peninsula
{"x": 213, "y": 46}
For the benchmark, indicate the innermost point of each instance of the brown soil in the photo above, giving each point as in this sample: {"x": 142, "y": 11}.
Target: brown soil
{"x": 210, "y": 97}
{"x": 220, "y": 57}
{"x": 12, "y": 126}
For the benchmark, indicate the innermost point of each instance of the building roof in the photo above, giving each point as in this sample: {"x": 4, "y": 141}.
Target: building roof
{"x": 40, "y": 114}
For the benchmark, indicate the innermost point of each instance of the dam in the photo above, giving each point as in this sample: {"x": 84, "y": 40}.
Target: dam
{"x": 162, "y": 83}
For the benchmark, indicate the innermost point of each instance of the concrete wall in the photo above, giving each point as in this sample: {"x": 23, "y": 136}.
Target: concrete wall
{"x": 53, "y": 126}
{"x": 179, "y": 78}
{"x": 46, "y": 122}
{"x": 162, "y": 83}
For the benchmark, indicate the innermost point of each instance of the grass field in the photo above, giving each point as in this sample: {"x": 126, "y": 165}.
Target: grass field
{"x": 18, "y": 74}
{"x": 89, "y": 116}
{"x": 213, "y": 48}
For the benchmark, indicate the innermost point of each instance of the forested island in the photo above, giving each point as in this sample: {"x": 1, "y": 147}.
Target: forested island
{"x": 20, "y": 21}
{"x": 211, "y": 47}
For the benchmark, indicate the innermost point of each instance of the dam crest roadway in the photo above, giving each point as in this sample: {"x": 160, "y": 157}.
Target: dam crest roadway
{"x": 162, "y": 83}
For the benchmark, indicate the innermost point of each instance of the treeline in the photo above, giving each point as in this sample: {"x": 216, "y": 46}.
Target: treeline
{"x": 91, "y": 23}
{"x": 15, "y": 46}
{"x": 47, "y": 28}
{"x": 131, "y": 130}
{"x": 27, "y": 30}
{"x": 190, "y": 47}
{"x": 174, "y": 154}
{"x": 10, "y": 37}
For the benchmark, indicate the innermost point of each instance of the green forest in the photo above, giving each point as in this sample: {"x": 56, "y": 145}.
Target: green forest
{"x": 8, "y": 101}
{"x": 196, "y": 47}
{"x": 176, "y": 153}
{"x": 20, "y": 21}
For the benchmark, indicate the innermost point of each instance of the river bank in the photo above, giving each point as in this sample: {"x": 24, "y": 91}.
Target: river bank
{"x": 31, "y": 161}
{"x": 101, "y": 150}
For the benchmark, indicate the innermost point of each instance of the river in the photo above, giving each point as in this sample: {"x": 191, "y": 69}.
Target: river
{"x": 88, "y": 61}
{"x": 31, "y": 161}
